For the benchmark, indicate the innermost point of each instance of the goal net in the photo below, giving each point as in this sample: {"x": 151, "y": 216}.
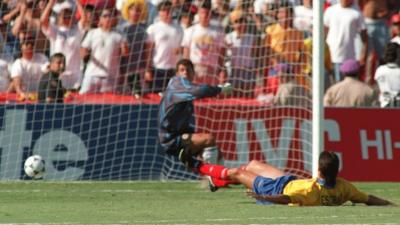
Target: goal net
{"x": 81, "y": 82}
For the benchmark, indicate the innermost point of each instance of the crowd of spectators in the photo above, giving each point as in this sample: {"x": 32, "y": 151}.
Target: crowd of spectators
{"x": 263, "y": 47}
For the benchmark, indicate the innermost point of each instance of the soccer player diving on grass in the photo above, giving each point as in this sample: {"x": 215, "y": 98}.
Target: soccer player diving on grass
{"x": 176, "y": 121}
{"x": 270, "y": 185}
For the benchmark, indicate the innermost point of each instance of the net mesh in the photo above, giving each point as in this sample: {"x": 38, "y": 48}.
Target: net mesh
{"x": 100, "y": 121}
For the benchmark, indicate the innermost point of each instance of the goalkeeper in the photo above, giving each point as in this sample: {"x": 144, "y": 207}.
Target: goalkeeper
{"x": 270, "y": 185}
{"x": 176, "y": 121}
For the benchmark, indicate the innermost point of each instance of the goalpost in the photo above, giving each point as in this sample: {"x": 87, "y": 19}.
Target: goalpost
{"x": 113, "y": 136}
{"x": 318, "y": 84}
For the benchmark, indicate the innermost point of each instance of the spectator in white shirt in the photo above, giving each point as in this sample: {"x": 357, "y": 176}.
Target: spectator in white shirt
{"x": 343, "y": 22}
{"x": 303, "y": 17}
{"x": 387, "y": 77}
{"x": 164, "y": 38}
{"x": 65, "y": 37}
{"x": 204, "y": 45}
{"x": 27, "y": 70}
{"x": 105, "y": 47}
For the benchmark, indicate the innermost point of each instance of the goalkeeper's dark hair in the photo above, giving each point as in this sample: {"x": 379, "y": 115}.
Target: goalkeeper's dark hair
{"x": 186, "y": 63}
{"x": 328, "y": 165}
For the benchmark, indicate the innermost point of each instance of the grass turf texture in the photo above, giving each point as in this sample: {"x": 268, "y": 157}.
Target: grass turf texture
{"x": 41, "y": 202}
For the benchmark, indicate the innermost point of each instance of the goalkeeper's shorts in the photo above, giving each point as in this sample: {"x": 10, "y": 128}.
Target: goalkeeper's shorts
{"x": 178, "y": 147}
{"x": 188, "y": 159}
{"x": 174, "y": 145}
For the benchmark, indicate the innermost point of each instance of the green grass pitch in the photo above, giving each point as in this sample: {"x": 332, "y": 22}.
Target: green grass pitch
{"x": 41, "y": 202}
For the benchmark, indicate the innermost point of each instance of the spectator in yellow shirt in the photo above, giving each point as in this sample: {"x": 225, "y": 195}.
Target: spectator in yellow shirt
{"x": 284, "y": 43}
{"x": 270, "y": 185}
{"x": 328, "y": 66}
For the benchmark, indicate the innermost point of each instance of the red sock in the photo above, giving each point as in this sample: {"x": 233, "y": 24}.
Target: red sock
{"x": 216, "y": 171}
{"x": 223, "y": 183}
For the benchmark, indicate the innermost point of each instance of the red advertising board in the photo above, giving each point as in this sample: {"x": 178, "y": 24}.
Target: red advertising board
{"x": 367, "y": 140}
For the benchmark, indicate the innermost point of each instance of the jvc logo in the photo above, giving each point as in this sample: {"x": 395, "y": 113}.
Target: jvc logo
{"x": 279, "y": 155}
{"x": 14, "y": 138}
{"x": 276, "y": 156}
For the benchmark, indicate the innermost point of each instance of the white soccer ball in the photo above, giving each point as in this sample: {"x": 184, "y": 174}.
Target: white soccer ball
{"x": 34, "y": 166}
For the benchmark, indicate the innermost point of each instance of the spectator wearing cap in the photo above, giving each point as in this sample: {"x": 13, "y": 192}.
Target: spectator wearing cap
{"x": 27, "y": 70}
{"x": 387, "y": 77}
{"x": 290, "y": 92}
{"x": 395, "y": 28}
{"x": 104, "y": 46}
{"x": 151, "y": 11}
{"x": 343, "y": 22}
{"x": 241, "y": 51}
{"x": 163, "y": 39}
{"x": 65, "y": 36}
{"x": 133, "y": 65}
{"x": 204, "y": 45}
{"x": 350, "y": 92}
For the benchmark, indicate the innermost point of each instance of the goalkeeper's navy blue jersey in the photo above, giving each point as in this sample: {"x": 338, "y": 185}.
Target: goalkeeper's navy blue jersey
{"x": 176, "y": 113}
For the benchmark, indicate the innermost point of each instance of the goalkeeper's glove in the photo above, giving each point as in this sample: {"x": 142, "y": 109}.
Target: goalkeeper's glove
{"x": 226, "y": 88}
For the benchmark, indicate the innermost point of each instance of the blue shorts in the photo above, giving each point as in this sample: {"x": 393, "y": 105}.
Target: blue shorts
{"x": 268, "y": 186}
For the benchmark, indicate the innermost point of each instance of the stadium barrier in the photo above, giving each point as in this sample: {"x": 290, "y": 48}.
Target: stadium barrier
{"x": 119, "y": 142}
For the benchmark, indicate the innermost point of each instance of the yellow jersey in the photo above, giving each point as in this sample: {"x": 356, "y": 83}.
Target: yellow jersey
{"x": 308, "y": 192}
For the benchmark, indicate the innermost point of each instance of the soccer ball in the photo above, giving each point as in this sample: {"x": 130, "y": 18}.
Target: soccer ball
{"x": 34, "y": 166}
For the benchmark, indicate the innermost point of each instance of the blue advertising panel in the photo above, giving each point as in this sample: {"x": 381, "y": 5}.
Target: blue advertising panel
{"x": 83, "y": 142}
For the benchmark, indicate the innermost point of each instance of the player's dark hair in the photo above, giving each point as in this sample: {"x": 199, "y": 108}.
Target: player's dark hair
{"x": 57, "y": 56}
{"x": 391, "y": 52}
{"x": 186, "y": 63}
{"x": 328, "y": 165}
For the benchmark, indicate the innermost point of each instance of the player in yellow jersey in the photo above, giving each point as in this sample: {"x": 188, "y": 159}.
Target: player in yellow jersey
{"x": 270, "y": 185}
